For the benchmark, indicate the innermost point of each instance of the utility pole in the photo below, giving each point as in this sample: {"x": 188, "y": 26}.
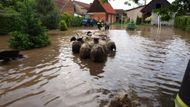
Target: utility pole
{"x": 144, "y": 2}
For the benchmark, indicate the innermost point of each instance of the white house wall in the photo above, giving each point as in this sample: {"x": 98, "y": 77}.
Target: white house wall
{"x": 155, "y": 20}
{"x": 132, "y": 14}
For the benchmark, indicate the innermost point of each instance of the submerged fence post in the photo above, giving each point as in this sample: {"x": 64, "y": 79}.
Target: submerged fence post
{"x": 183, "y": 97}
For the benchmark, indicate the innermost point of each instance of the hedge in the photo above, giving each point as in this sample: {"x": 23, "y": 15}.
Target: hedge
{"x": 63, "y": 25}
{"x": 71, "y": 21}
{"x": 7, "y": 21}
{"x": 182, "y": 22}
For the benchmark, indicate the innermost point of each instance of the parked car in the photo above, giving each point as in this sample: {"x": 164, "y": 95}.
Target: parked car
{"x": 88, "y": 22}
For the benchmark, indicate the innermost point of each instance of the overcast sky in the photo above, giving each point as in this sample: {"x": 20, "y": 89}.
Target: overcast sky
{"x": 119, "y": 4}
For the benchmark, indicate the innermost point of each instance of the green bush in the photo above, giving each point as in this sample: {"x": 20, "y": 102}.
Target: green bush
{"x": 29, "y": 32}
{"x": 148, "y": 19}
{"x": 20, "y": 40}
{"x": 7, "y": 21}
{"x": 48, "y": 14}
{"x": 67, "y": 18}
{"x": 182, "y": 22}
{"x": 131, "y": 25}
{"x": 76, "y": 21}
{"x": 188, "y": 28}
{"x": 23, "y": 41}
{"x": 63, "y": 25}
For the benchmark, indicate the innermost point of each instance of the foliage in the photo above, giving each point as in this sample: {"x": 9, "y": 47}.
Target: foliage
{"x": 23, "y": 41}
{"x": 135, "y": 1}
{"x": 63, "y": 25}
{"x": 181, "y": 7}
{"x": 138, "y": 20}
{"x": 165, "y": 13}
{"x": 76, "y": 21}
{"x": 148, "y": 19}
{"x": 7, "y": 3}
{"x": 7, "y": 20}
{"x": 71, "y": 21}
{"x": 20, "y": 40}
{"x": 131, "y": 25}
{"x": 29, "y": 33}
{"x": 182, "y": 22}
{"x": 47, "y": 13}
{"x": 67, "y": 17}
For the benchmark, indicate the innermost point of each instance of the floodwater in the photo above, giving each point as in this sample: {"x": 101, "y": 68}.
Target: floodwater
{"x": 149, "y": 65}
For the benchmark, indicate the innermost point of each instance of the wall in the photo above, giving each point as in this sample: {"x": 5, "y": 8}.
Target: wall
{"x": 155, "y": 19}
{"x": 102, "y": 16}
{"x": 132, "y": 14}
{"x": 80, "y": 10}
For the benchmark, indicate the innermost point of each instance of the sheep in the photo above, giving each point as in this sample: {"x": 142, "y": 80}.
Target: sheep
{"x": 98, "y": 53}
{"x": 85, "y": 51}
{"x": 76, "y": 46}
{"x": 111, "y": 46}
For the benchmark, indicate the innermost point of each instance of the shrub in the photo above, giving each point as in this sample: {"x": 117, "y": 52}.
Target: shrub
{"x": 7, "y": 21}
{"x": 67, "y": 18}
{"x": 188, "y": 24}
{"x": 20, "y": 40}
{"x": 131, "y": 25}
{"x": 148, "y": 19}
{"x": 188, "y": 28}
{"x": 23, "y": 41}
{"x": 182, "y": 22}
{"x": 29, "y": 32}
{"x": 47, "y": 13}
{"x": 76, "y": 21}
{"x": 63, "y": 25}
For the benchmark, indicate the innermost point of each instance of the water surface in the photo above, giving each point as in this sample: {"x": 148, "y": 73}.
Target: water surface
{"x": 149, "y": 65}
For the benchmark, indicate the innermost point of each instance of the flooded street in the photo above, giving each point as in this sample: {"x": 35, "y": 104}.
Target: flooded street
{"x": 149, "y": 66}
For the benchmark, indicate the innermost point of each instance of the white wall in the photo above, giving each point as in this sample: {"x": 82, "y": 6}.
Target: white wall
{"x": 132, "y": 14}
{"x": 155, "y": 19}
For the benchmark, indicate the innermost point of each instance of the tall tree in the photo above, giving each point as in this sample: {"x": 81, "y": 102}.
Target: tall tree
{"x": 47, "y": 13}
{"x": 181, "y": 7}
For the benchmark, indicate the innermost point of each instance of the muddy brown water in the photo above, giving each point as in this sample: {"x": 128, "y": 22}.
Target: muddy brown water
{"x": 149, "y": 65}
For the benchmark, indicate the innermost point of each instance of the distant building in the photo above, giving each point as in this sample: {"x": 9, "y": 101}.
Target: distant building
{"x": 80, "y": 8}
{"x": 133, "y": 13}
{"x": 148, "y": 11}
{"x": 120, "y": 15}
{"x": 102, "y": 11}
{"x": 65, "y": 6}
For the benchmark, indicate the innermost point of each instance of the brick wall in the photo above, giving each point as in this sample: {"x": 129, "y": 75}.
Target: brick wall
{"x": 103, "y": 16}
{"x": 98, "y": 15}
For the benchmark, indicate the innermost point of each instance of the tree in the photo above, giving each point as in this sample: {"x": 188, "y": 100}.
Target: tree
{"x": 181, "y": 7}
{"x": 29, "y": 33}
{"x": 47, "y": 13}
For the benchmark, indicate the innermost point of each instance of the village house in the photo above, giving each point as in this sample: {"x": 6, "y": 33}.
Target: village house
{"x": 80, "y": 8}
{"x": 148, "y": 11}
{"x": 133, "y": 13}
{"x": 120, "y": 15}
{"x": 102, "y": 11}
{"x": 65, "y": 6}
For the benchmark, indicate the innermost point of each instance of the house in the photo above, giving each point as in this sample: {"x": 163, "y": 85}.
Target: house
{"x": 80, "y": 8}
{"x": 133, "y": 13}
{"x": 120, "y": 15}
{"x": 65, "y": 6}
{"x": 102, "y": 11}
{"x": 148, "y": 11}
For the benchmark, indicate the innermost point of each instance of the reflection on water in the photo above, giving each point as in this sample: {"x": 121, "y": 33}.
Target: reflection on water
{"x": 149, "y": 65}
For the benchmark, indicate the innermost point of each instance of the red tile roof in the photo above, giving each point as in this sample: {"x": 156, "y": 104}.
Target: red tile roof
{"x": 107, "y": 7}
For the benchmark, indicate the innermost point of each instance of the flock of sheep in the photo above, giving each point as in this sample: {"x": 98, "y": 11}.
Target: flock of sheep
{"x": 93, "y": 45}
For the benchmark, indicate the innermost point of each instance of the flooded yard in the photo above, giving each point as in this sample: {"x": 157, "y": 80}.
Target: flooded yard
{"x": 148, "y": 66}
